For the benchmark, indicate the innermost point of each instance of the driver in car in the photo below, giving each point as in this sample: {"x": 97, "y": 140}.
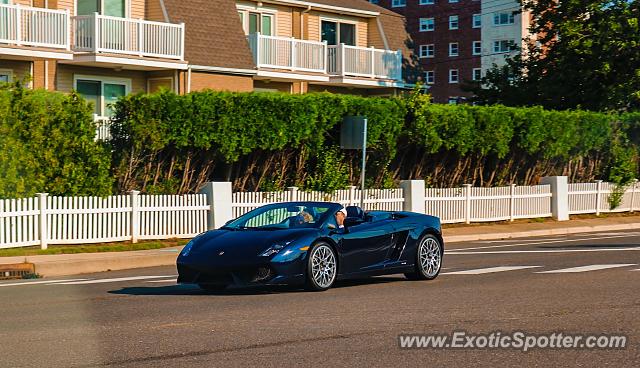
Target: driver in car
{"x": 340, "y": 216}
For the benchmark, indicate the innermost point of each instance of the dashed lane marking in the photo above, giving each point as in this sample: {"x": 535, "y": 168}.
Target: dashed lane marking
{"x": 118, "y": 279}
{"x": 481, "y": 271}
{"x": 588, "y": 268}
{"x": 39, "y": 282}
{"x": 539, "y": 242}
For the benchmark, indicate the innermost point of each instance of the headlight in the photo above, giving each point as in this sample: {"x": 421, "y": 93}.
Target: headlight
{"x": 187, "y": 249}
{"x": 274, "y": 249}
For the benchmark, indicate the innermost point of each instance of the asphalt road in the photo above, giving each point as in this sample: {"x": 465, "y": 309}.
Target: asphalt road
{"x": 110, "y": 319}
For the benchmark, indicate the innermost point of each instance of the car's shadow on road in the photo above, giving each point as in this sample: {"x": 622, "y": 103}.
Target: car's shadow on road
{"x": 250, "y": 290}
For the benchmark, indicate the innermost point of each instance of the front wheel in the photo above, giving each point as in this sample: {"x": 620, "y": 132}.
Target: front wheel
{"x": 322, "y": 267}
{"x": 428, "y": 259}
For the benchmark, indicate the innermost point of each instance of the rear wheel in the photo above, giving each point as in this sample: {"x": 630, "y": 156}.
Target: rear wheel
{"x": 428, "y": 259}
{"x": 322, "y": 267}
{"x": 212, "y": 287}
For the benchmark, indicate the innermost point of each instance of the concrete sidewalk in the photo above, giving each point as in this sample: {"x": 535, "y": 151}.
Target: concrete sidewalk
{"x": 73, "y": 264}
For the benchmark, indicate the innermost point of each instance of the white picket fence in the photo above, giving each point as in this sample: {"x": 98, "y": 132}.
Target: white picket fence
{"x": 375, "y": 199}
{"x": 81, "y": 220}
{"x": 594, "y": 198}
{"x": 475, "y": 204}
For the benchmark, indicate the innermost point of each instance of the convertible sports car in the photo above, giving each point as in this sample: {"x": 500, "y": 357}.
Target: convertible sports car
{"x": 302, "y": 243}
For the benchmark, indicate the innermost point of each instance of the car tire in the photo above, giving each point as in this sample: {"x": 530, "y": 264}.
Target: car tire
{"x": 322, "y": 267}
{"x": 213, "y": 287}
{"x": 428, "y": 261}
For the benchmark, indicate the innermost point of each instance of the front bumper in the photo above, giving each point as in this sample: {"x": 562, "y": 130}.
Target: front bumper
{"x": 263, "y": 274}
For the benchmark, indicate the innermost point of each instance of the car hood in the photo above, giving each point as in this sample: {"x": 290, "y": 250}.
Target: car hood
{"x": 239, "y": 247}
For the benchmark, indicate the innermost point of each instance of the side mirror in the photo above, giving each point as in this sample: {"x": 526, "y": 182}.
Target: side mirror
{"x": 331, "y": 227}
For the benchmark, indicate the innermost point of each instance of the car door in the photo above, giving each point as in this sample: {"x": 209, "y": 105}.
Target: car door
{"x": 365, "y": 246}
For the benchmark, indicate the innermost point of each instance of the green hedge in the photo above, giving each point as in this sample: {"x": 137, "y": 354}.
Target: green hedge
{"x": 47, "y": 145}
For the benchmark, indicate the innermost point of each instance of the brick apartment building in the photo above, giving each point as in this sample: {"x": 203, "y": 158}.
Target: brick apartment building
{"x": 459, "y": 40}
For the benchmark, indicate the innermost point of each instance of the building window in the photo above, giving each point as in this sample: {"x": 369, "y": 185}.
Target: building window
{"x": 476, "y": 74}
{"x": 453, "y": 22}
{"x": 477, "y": 47}
{"x": 113, "y": 8}
{"x": 6, "y": 75}
{"x": 430, "y": 77}
{"x": 373, "y": 1}
{"x": 398, "y": 3}
{"x": 453, "y": 1}
{"x": 103, "y": 92}
{"x": 427, "y": 51}
{"x": 253, "y": 22}
{"x": 336, "y": 33}
{"x": 501, "y": 19}
{"x": 503, "y": 46}
{"x": 453, "y": 76}
{"x": 427, "y": 24}
{"x": 477, "y": 20}
{"x": 427, "y": 2}
{"x": 453, "y": 49}
{"x": 453, "y": 100}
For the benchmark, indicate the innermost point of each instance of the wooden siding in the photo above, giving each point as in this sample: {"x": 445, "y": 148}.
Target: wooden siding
{"x": 19, "y": 69}
{"x": 64, "y": 79}
{"x": 154, "y": 11}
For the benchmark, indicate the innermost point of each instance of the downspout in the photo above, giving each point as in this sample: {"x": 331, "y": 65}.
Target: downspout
{"x": 189, "y": 79}
{"x": 306, "y": 11}
{"x": 382, "y": 35}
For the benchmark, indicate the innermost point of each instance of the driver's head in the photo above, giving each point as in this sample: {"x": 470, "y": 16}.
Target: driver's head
{"x": 340, "y": 216}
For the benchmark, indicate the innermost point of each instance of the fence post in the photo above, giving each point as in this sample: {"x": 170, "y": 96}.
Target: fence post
{"x": 413, "y": 192}
{"x": 598, "y": 196}
{"x": 467, "y": 202}
{"x": 293, "y": 196}
{"x": 559, "y": 196}
{"x": 512, "y": 202}
{"x": 219, "y": 198}
{"x": 135, "y": 216}
{"x": 633, "y": 194}
{"x": 44, "y": 232}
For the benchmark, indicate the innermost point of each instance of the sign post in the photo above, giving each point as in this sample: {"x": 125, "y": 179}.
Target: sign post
{"x": 353, "y": 135}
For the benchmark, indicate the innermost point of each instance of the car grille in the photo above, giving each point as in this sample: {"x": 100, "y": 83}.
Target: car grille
{"x": 252, "y": 275}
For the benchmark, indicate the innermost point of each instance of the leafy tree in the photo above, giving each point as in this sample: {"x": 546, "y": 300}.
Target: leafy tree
{"x": 584, "y": 54}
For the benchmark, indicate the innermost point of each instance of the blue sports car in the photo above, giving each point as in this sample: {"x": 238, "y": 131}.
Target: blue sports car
{"x": 312, "y": 244}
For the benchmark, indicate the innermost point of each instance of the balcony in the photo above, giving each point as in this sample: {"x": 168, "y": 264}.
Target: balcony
{"x": 100, "y": 34}
{"x": 317, "y": 58}
{"x": 353, "y": 61}
{"x": 27, "y": 31}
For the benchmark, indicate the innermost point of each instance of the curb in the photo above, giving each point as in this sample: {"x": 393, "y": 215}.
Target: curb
{"x": 545, "y": 232}
{"x": 75, "y": 267}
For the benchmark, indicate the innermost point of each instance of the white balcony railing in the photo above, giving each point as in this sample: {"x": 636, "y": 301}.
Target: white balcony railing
{"x": 103, "y": 127}
{"x": 106, "y": 34}
{"x": 364, "y": 62}
{"x": 288, "y": 53}
{"x": 27, "y": 26}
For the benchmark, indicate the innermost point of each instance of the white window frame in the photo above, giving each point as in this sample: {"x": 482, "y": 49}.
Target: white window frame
{"x": 426, "y": 2}
{"x": 473, "y": 21}
{"x": 433, "y": 77}
{"x": 457, "y": 47}
{"x": 454, "y": 19}
{"x": 8, "y": 73}
{"x": 451, "y": 79}
{"x": 245, "y": 10}
{"x": 427, "y": 21}
{"x": 339, "y": 20}
{"x": 97, "y": 78}
{"x": 473, "y": 48}
{"x": 398, "y": 3}
{"x": 511, "y": 19}
{"x": 499, "y": 50}
{"x": 453, "y": 100}
{"x": 473, "y": 74}
{"x": 127, "y": 8}
{"x": 426, "y": 48}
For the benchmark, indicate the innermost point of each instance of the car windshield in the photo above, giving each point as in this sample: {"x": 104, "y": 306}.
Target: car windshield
{"x": 283, "y": 216}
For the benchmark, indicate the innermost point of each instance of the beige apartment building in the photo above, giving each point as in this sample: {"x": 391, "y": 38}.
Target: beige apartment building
{"x": 105, "y": 49}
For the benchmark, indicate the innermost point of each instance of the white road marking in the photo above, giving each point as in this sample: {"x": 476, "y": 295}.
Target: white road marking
{"x": 540, "y": 242}
{"x": 170, "y": 280}
{"x": 588, "y": 268}
{"x": 40, "y": 282}
{"x": 102, "y": 281}
{"x": 544, "y": 251}
{"x": 481, "y": 271}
